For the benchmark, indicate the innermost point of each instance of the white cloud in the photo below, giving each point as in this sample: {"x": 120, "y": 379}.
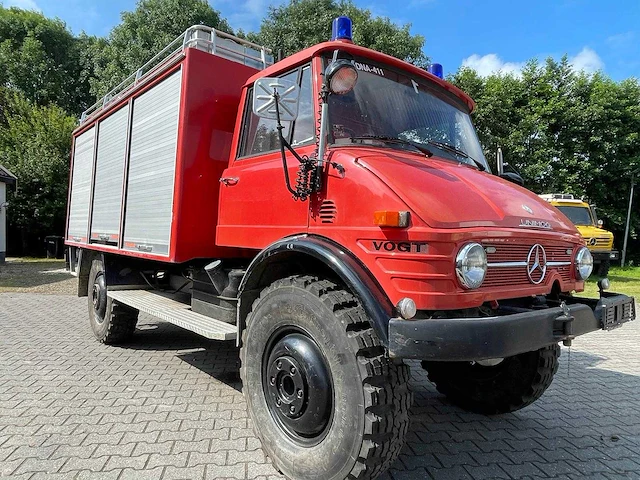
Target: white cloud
{"x": 586, "y": 61}
{"x": 621, "y": 40}
{"x": 24, "y": 4}
{"x": 487, "y": 64}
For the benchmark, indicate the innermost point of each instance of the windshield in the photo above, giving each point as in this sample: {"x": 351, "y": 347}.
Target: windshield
{"x": 390, "y": 103}
{"x": 577, "y": 215}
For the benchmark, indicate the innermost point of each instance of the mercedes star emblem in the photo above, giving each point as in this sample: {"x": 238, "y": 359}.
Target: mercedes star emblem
{"x": 536, "y": 264}
{"x": 527, "y": 209}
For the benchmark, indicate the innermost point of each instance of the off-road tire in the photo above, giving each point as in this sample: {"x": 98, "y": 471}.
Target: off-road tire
{"x": 511, "y": 385}
{"x": 118, "y": 322}
{"x": 603, "y": 268}
{"x": 371, "y": 393}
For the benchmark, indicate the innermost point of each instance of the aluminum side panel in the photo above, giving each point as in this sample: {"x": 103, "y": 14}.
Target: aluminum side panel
{"x": 152, "y": 164}
{"x": 107, "y": 196}
{"x": 81, "y": 186}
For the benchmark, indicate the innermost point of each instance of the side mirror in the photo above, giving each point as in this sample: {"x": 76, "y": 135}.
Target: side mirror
{"x": 600, "y": 224}
{"x": 513, "y": 177}
{"x": 276, "y": 97}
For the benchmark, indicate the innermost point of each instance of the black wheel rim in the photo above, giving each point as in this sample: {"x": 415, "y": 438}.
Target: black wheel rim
{"x": 298, "y": 386}
{"x": 99, "y": 297}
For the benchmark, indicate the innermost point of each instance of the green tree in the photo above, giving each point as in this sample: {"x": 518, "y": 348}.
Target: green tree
{"x": 35, "y": 144}
{"x": 564, "y": 131}
{"x": 612, "y": 148}
{"x": 303, "y": 23}
{"x": 42, "y": 59}
{"x": 144, "y": 32}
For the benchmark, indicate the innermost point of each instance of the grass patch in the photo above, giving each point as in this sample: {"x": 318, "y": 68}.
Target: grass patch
{"x": 623, "y": 280}
{"x": 16, "y": 260}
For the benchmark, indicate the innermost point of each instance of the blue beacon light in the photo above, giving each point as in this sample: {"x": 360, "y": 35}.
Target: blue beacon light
{"x": 341, "y": 29}
{"x": 436, "y": 69}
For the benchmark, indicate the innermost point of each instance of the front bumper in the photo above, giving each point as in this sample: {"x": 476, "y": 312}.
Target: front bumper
{"x": 604, "y": 256}
{"x": 468, "y": 339}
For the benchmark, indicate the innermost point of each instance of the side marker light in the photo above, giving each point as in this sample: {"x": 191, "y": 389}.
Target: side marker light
{"x": 407, "y": 308}
{"x": 387, "y": 218}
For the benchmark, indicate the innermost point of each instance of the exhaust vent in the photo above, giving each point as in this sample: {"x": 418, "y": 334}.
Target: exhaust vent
{"x": 328, "y": 211}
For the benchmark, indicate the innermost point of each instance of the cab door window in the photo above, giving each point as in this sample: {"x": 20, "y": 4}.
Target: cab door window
{"x": 304, "y": 127}
{"x": 260, "y": 135}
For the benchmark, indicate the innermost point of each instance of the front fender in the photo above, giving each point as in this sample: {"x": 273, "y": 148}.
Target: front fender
{"x": 343, "y": 263}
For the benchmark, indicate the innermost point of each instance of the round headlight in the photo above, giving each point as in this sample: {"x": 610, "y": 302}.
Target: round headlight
{"x": 471, "y": 265}
{"x": 584, "y": 263}
{"x": 341, "y": 76}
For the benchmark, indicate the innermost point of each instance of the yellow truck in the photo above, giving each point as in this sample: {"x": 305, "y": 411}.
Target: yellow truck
{"x": 598, "y": 240}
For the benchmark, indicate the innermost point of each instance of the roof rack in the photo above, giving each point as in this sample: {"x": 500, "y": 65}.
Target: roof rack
{"x": 557, "y": 196}
{"x": 201, "y": 37}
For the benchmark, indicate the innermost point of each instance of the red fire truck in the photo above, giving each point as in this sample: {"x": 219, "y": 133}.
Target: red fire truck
{"x": 334, "y": 214}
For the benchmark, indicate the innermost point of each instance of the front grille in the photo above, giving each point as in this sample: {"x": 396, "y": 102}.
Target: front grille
{"x": 516, "y": 275}
{"x": 499, "y": 277}
{"x": 519, "y": 253}
{"x": 599, "y": 241}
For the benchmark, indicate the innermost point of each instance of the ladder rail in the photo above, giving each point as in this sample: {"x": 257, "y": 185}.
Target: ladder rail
{"x": 201, "y": 37}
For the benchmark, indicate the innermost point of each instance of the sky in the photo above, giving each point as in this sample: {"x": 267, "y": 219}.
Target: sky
{"x": 487, "y": 35}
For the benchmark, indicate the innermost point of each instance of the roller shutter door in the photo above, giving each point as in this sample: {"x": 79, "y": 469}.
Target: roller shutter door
{"x": 81, "y": 186}
{"x": 107, "y": 196}
{"x": 154, "y": 136}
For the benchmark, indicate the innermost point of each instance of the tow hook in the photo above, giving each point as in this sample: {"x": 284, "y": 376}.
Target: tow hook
{"x": 563, "y": 325}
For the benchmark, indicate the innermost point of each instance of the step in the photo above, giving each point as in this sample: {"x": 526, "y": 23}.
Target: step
{"x": 175, "y": 312}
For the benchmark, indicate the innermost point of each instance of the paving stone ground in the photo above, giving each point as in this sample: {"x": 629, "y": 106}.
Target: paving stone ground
{"x": 169, "y": 406}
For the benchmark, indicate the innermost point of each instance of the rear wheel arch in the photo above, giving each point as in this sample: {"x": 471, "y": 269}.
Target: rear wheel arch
{"x": 85, "y": 260}
{"x": 119, "y": 270}
{"x": 307, "y": 254}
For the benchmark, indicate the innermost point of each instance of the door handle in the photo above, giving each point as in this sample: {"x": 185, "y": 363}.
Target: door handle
{"x": 229, "y": 181}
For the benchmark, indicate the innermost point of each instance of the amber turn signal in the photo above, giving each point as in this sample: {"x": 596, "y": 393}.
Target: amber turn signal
{"x": 386, "y": 218}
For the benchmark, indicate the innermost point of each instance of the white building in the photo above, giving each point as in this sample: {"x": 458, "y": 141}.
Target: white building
{"x": 6, "y": 178}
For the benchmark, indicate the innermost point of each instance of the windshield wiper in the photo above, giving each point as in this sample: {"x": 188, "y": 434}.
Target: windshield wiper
{"x": 456, "y": 151}
{"x": 399, "y": 141}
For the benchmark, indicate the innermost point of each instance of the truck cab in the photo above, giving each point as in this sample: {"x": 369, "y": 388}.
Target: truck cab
{"x": 599, "y": 241}
{"x": 333, "y": 213}
{"x": 406, "y": 147}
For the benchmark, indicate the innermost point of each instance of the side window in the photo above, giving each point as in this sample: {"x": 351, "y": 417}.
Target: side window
{"x": 303, "y": 130}
{"x": 259, "y": 135}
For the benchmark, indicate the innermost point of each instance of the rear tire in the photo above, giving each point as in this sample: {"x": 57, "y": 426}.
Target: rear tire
{"x": 111, "y": 322}
{"x": 325, "y": 399}
{"x": 512, "y": 384}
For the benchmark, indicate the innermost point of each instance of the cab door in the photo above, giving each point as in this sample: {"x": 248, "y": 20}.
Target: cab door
{"x": 256, "y": 208}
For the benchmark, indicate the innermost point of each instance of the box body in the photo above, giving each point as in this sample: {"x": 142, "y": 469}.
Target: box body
{"x": 145, "y": 171}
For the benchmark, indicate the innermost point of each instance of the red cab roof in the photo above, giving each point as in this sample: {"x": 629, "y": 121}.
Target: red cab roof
{"x": 308, "y": 53}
